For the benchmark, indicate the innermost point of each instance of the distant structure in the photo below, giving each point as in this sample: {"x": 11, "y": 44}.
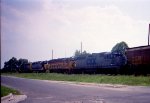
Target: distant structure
{"x": 148, "y": 34}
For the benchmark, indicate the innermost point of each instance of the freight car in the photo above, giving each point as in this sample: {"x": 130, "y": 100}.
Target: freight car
{"x": 138, "y": 60}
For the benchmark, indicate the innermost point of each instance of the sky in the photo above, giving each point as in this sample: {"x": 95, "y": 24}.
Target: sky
{"x": 31, "y": 29}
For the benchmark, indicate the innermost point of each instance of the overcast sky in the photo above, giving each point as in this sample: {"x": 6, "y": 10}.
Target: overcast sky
{"x": 32, "y": 28}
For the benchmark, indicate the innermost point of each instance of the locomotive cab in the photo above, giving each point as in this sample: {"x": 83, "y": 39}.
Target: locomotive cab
{"x": 118, "y": 59}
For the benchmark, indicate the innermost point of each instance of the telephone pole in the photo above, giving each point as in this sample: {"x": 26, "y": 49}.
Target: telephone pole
{"x": 65, "y": 53}
{"x": 81, "y": 47}
{"x": 148, "y": 34}
{"x": 52, "y": 53}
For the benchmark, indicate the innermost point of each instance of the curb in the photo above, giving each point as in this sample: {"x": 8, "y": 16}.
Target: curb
{"x": 13, "y": 98}
{"x": 6, "y": 97}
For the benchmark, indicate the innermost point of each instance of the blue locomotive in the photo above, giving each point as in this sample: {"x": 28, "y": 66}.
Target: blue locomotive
{"x": 34, "y": 67}
{"x": 100, "y": 62}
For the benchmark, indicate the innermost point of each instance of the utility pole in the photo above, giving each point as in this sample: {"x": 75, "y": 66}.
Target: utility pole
{"x": 148, "y": 34}
{"x": 81, "y": 47}
{"x": 52, "y": 53}
{"x": 65, "y": 53}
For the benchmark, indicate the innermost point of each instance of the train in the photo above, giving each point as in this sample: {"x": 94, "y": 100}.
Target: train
{"x": 136, "y": 60}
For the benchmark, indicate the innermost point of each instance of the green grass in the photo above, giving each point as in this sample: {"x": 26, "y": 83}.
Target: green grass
{"x": 5, "y": 91}
{"x": 94, "y": 78}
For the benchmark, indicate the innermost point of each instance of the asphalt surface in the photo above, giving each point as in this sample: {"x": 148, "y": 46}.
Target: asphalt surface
{"x": 42, "y": 91}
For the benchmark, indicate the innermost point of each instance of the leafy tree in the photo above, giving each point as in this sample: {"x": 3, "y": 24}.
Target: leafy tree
{"x": 84, "y": 52}
{"x": 120, "y": 47}
{"x": 21, "y": 63}
{"x": 6, "y": 67}
{"x": 11, "y": 65}
{"x": 78, "y": 53}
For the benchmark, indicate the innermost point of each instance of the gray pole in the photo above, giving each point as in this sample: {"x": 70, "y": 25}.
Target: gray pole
{"x": 148, "y": 34}
{"x": 52, "y": 53}
{"x": 81, "y": 47}
{"x": 65, "y": 53}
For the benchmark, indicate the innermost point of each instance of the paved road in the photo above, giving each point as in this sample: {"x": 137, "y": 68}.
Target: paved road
{"x": 39, "y": 91}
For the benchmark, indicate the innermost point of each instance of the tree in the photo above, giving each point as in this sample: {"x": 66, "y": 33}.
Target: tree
{"x": 11, "y": 65}
{"x": 84, "y": 52}
{"x": 120, "y": 47}
{"x": 6, "y": 67}
{"x": 21, "y": 63}
{"x": 78, "y": 53}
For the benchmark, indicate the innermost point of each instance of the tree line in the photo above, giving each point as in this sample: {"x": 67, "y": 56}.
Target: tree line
{"x": 14, "y": 65}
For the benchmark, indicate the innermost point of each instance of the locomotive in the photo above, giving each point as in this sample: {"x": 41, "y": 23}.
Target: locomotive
{"x": 60, "y": 65}
{"x": 105, "y": 62}
{"x": 33, "y": 67}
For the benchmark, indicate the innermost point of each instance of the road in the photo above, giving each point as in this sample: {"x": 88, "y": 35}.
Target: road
{"x": 42, "y": 91}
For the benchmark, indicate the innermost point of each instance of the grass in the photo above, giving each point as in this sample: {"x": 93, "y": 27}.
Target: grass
{"x": 94, "y": 78}
{"x": 5, "y": 91}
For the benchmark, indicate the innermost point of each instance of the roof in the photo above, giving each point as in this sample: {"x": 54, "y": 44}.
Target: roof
{"x": 138, "y": 48}
{"x": 60, "y": 60}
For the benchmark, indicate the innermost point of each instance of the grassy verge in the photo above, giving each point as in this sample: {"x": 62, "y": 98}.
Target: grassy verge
{"x": 5, "y": 91}
{"x": 119, "y": 79}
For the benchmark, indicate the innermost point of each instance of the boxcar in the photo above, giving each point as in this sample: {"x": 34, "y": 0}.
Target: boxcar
{"x": 138, "y": 59}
